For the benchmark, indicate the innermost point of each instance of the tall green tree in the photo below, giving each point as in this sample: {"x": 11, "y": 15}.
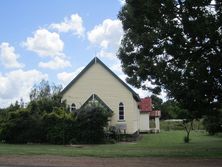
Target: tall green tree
{"x": 45, "y": 97}
{"x": 176, "y": 45}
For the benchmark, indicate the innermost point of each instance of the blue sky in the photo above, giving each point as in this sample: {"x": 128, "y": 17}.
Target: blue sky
{"x": 54, "y": 40}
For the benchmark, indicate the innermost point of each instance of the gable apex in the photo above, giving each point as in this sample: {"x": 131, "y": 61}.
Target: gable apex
{"x": 91, "y": 63}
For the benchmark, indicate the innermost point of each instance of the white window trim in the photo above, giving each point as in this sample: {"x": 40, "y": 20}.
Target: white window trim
{"x": 72, "y": 107}
{"x": 121, "y": 120}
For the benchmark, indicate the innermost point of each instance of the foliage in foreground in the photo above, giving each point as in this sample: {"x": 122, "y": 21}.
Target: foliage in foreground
{"x": 47, "y": 120}
{"x": 57, "y": 127}
{"x": 90, "y": 122}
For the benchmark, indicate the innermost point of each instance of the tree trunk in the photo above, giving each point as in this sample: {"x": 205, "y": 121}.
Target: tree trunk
{"x": 188, "y": 126}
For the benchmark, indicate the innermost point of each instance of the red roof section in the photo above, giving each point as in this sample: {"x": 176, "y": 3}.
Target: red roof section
{"x": 145, "y": 104}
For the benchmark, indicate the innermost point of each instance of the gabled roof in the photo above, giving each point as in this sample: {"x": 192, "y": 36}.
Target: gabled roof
{"x": 94, "y": 98}
{"x": 97, "y": 60}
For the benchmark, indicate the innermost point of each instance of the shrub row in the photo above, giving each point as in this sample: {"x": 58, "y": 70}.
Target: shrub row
{"x": 57, "y": 127}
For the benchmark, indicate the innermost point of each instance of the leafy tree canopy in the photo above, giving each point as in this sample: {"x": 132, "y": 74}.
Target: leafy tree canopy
{"x": 176, "y": 45}
{"x": 45, "y": 97}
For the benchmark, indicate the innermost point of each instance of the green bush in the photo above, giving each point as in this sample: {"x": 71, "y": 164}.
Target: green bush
{"x": 113, "y": 133}
{"x": 60, "y": 126}
{"x": 46, "y": 120}
{"x": 213, "y": 122}
{"x": 56, "y": 127}
{"x": 91, "y": 122}
{"x": 22, "y": 127}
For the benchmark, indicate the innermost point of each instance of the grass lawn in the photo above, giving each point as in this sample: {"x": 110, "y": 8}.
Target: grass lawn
{"x": 164, "y": 144}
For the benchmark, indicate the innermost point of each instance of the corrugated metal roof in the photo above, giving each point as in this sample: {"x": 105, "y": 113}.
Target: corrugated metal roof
{"x": 145, "y": 104}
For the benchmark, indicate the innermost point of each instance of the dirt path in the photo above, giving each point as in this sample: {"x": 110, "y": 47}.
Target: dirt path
{"x": 58, "y": 161}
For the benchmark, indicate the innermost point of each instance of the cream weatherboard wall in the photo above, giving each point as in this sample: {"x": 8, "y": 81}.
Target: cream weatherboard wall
{"x": 144, "y": 122}
{"x": 100, "y": 81}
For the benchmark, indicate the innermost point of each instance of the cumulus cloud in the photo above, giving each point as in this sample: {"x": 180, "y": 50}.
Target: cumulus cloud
{"x": 107, "y": 36}
{"x": 48, "y": 44}
{"x": 55, "y": 63}
{"x": 8, "y": 57}
{"x": 66, "y": 77}
{"x": 72, "y": 24}
{"x": 45, "y": 43}
{"x": 17, "y": 84}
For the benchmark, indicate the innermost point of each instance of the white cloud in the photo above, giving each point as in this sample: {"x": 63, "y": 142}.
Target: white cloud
{"x": 142, "y": 93}
{"x": 48, "y": 44}
{"x": 73, "y": 24}
{"x": 66, "y": 77}
{"x": 8, "y": 57}
{"x": 55, "y": 63}
{"x": 17, "y": 84}
{"x": 107, "y": 36}
{"x": 45, "y": 43}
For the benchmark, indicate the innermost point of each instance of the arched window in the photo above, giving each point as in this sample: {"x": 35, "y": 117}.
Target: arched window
{"x": 121, "y": 111}
{"x": 73, "y": 107}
